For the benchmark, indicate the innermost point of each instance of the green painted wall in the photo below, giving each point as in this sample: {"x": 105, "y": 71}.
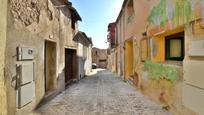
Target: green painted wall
{"x": 177, "y": 12}
{"x": 159, "y": 71}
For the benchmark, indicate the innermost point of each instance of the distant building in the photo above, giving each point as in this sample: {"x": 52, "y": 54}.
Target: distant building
{"x": 112, "y": 49}
{"x": 111, "y": 35}
{"x": 99, "y": 56}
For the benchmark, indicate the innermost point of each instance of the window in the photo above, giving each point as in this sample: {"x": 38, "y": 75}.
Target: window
{"x": 73, "y": 24}
{"x": 175, "y": 47}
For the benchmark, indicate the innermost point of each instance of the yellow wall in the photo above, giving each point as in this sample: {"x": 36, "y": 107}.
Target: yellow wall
{"x": 144, "y": 49}
{"x": 128, "y": 59}
{"x": 160, "y": 49}
{"x": 3, "y": 21}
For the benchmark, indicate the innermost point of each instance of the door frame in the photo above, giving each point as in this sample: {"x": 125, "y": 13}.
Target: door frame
{"x": 74, "y": 65}
{"x": 52, "y": 48}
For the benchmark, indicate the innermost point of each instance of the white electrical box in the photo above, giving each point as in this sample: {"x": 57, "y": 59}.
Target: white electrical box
{"x": 26, "y": 73}
{"x": 25, "y": 53}
{"x": 193, "y": 98}
{"x": 196, "y": 48}
{"x": 26, "y": 85}
{"x": 26, "y": 94}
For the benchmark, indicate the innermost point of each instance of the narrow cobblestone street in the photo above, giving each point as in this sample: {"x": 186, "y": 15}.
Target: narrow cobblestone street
{"x": 101, "y": 94}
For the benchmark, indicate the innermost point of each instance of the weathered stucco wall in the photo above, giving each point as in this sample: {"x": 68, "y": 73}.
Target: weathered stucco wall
{"x": 81, "y": 60}
{"x": 165, "y": 92}
{"x": 30, "y": 23}
{"x": 84, "y": 58}
{"x": 66, "y": 31}
{"x": 88, "y": 62}
{"x": 120, "y": 25}
{"x": 193, "y": 65}
{"x": 3, "y": 28}
{"x": 139, "y": 23}
{"x": 66, "y": 35}
{"x": 162, "y": 89}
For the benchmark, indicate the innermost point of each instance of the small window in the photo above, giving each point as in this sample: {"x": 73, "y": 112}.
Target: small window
{"x": 102, "y": 60}
{"x": 175, "y": 47}
{"x": 73, "y": 24}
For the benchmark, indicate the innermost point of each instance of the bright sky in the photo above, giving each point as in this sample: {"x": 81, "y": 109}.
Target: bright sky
{"x": 96, "y": 15}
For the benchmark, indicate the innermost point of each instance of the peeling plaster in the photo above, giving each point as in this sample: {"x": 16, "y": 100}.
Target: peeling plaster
{"x": 25, "y": 11}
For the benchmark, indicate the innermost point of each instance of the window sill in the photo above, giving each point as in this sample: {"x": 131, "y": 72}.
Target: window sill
{"x": 172, "y": 63}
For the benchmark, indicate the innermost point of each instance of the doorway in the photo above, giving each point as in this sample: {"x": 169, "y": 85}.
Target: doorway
{"x": 50, "y": 66}
{"x": 70, "y": 65}
{"x": 128, "y": 59}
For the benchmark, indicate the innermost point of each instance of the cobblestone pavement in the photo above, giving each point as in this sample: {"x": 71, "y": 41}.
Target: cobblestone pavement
{"x": 101, "y": 94}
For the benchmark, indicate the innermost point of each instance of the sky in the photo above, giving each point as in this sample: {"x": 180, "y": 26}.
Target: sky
{"x": 96, "y": 15}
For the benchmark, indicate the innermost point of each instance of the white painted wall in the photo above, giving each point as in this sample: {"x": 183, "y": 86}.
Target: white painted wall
{"x": 84, "y": 60}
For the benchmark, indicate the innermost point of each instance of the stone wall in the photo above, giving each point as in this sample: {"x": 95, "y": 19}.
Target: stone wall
{"x": 100, "y": 57}
{"x": 25, "y": 12}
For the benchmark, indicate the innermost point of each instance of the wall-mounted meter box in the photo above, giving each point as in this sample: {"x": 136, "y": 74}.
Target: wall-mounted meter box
{"x": 26, "y": 89}
{"x": 196, "y": 48}
{"x": 25, "y": 53}
{"x": 26, "y": 73}
{"x": 25, "y": 95}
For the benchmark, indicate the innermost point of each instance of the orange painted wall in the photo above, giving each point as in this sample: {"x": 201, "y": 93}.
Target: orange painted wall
{"x": 138, "y": 25}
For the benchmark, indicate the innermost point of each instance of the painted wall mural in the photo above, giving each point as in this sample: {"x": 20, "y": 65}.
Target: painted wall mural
{"x": 174, "y": 12}
{"x": 158, "y": 14}
{"x": 159, "y": 71}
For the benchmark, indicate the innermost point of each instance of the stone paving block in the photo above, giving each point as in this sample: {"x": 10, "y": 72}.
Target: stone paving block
{"x": 101, "y": 94}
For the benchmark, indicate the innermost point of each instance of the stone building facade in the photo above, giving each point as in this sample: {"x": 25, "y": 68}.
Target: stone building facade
{"x": 36, "y": 40}
{"x": 100, "y": 57}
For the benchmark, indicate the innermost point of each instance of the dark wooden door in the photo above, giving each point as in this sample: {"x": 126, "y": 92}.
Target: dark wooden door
{"x": 70, "y": 65}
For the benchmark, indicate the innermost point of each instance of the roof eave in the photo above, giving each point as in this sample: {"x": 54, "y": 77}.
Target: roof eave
{"x": 125, "y": 1}
{"x": 74, "y": 13}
